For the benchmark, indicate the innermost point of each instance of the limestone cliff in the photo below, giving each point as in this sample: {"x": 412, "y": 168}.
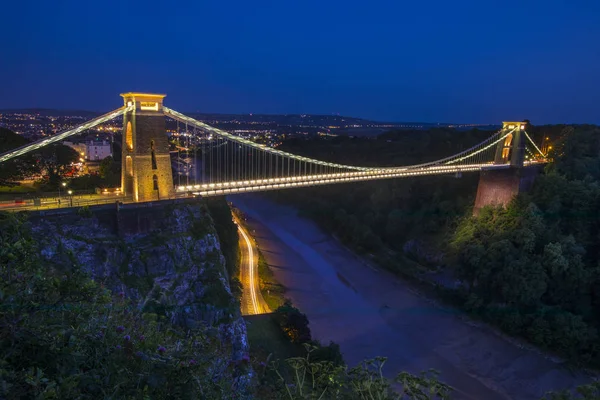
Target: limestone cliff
{"x": 166, "y": 259}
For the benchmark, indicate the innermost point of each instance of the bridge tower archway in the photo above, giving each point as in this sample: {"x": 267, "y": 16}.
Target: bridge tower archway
{"x": 146, "y": 162}
{"x": 512, "y": 148}
{"x": 500, "y": 186}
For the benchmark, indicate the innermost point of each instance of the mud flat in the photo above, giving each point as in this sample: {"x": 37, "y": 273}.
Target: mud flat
{"x": 369, "y": 312}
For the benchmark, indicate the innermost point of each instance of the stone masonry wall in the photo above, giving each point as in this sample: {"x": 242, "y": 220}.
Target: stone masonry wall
{"x": 150, "y": 133}
{"x": 498, "y": 187}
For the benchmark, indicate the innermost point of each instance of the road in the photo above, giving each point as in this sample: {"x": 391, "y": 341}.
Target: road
{"x": 369, "y": 312}
{"x": 66, "y": 201}
{"x": 47, "y": 203}
{"x": 252, "y": 301}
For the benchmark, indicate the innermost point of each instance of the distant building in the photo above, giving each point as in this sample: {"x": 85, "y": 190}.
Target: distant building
{"x": 98, "y": 150}
{"x": 80, "y": 148}
{"x": 94, "y": 150}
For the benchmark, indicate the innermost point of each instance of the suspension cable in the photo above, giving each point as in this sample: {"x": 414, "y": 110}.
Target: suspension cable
{"x": 331, "y": 167}
{"x": 176, "y": 115}
{"x": 534, "y": 145}
{"x": 63, "y": 135}
{"x": 482, "y": 149}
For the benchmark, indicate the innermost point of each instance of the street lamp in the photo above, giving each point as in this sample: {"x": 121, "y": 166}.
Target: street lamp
{"x": 70, "y": 192}
{"x": 63, "y": 184}
{"x": 545, "y": 144}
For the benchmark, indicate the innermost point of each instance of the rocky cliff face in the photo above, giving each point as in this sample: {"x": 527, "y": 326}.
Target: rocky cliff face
{"x": 173, "y": 266}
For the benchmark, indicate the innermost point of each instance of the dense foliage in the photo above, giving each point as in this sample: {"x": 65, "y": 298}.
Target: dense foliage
{"x": 322, "y": 374}
{"x": 534, "y": 266}
{"x": 54, "y": 162}
{"x": 375, "y": 216}
{"x": 293, "y": 323}
{"x": 13, "y": 170}
{"x": 62, "y": 336}
{"x": 228, "y": 237}
{"x": 323, "y": 379}
{"x": 227, "y": 232}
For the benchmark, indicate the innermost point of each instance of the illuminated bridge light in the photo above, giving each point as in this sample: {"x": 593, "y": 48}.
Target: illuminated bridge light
{"x": 333, "y": 173}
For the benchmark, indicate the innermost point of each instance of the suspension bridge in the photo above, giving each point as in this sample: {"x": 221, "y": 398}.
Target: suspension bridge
{"x": 222, "y": 163}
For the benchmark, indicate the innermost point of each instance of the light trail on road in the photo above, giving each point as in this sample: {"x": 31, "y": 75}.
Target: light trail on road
{"x": 251, "y": 268}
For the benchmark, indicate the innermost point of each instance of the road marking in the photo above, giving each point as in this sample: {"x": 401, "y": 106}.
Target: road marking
{"x": 251, "y": 266}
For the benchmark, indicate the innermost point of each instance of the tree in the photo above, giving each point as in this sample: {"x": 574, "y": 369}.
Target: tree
{"x": 65, "y": 336}
{"x": 13, "y": 170}
{"x": 584, "y": 392}
{"x": 396, "y": 225}
{"x": 110, "y": 171}
{"x": 520, "y": 266}
{"x": 293, "y": 323}
{"x": 569, "y": 278}
{"x": 56, "y": 160}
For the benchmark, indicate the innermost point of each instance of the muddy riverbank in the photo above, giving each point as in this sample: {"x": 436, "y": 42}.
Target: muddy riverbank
{"x": 369, "y": 313}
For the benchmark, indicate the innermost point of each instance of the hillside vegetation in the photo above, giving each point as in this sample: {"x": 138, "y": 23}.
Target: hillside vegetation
{"x": 88, "y": 314}
{"x": 531, "y": 268}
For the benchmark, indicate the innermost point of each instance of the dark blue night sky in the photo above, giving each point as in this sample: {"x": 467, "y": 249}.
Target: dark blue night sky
{"x": 429, "y": 60}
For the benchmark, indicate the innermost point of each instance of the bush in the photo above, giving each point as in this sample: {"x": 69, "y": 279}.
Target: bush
{"x": 84, "y": 212}
{"x": 330, "y": 353}
{"x": 324, "y": 380}
{"x": 63, "y": 336}
{"x": 293, "y": 323}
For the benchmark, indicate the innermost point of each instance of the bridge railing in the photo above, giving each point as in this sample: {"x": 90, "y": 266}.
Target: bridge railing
{"x": 60, "y": 202}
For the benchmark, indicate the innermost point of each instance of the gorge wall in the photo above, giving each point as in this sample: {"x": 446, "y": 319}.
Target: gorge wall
{"x": 166, "y": 258}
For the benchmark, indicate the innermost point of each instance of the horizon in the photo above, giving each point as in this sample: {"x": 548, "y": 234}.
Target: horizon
{"x": 384, "y": 61}
{"x": 13, "y": 110}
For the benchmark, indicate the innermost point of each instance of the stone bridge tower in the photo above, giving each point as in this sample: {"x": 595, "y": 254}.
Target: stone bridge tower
{"x": 512, "y": 148}
{"x": 499, "y": 186}
{"x": 146, "y": 173}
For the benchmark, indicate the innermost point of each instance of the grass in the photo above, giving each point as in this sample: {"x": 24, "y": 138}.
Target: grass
{"x": 17, "y": 189}
{"x": 272, "y": 291}
{"x": 12, "y": 192}
{"x": 266, "y": 338}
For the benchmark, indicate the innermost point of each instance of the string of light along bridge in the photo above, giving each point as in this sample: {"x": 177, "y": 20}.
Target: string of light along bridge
{"x": 218, "y": 162}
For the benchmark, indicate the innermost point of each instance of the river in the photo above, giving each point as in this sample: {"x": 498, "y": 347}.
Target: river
{"x": 369, "y": 312}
